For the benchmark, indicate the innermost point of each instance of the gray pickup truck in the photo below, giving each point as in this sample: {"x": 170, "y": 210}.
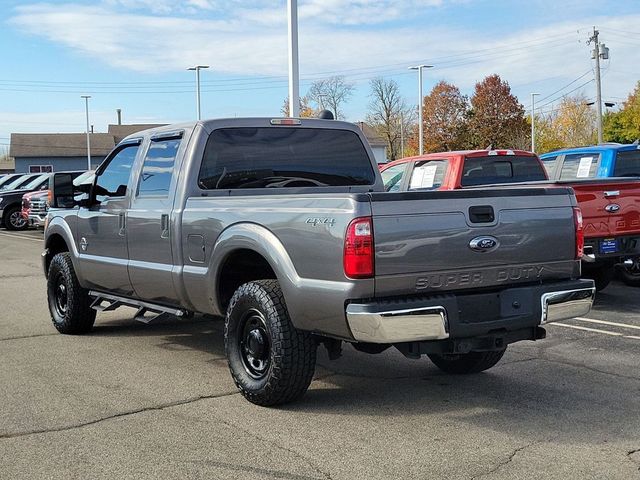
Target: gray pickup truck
{"x": 283, "y": 226}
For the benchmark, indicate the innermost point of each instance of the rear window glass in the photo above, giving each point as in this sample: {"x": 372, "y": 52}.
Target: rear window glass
{"x": 501, "y": 169}
{"x": 579, "y": 165}
{"x": 278, "y": 157}
{"x": 549, "y": 164}
{"x": 627, "y": 164}
{"x": 428, "y": 175}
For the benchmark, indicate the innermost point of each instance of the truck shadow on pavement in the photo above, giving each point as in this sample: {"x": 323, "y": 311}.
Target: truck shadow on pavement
{"x": 534, "y": 395}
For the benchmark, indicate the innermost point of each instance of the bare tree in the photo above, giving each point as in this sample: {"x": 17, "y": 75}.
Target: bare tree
{"x": 331, "y": 93}
{"x": 389, "y": 114}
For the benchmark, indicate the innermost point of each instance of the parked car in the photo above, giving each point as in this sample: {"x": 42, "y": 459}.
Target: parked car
{"x": 11, "y": 200}
{"x": 284, "y": 226}
{"x": 611, "y": 211}
{"x": 19, "y": 181}
{"x": 610, "y": 207}
{"x": 35, "y": 205}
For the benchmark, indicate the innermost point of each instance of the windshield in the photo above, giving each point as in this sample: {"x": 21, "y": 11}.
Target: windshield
{"x": 18, "y": 183}
{"x": 492, "y": 169}
{"x": 8, "y": 179}
{"x": 35, "y": 183}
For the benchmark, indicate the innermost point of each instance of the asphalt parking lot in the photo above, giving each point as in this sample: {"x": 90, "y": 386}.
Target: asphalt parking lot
{"x": 156, "y": 401}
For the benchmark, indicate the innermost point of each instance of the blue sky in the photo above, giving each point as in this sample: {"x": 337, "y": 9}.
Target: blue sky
{"x": 133, "y": 54}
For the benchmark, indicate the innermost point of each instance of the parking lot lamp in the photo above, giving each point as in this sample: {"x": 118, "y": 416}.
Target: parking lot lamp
{"x": 533, "y": 122}
{"x": 420, "y": 99}
{"x": 197, "y": 69}
{"x": 86, "y": 107}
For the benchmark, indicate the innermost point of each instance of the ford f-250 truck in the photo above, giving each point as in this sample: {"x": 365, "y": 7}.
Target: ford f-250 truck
{"x": 610, "y": 208}
{"x": 283, "y": 226}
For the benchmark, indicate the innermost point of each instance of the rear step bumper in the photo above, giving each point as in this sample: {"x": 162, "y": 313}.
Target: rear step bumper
{"x": 467, "y": 315}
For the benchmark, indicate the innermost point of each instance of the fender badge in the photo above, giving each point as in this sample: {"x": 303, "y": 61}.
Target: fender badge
{"x": 83, "y": 244}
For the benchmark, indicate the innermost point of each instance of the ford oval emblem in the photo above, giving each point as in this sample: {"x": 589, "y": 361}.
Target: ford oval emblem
{"x": 612, "y": 208}
{"x": 484, "y": 244}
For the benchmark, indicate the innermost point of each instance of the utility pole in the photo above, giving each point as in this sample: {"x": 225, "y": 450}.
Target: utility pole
{"x": 401, "y": 136}
{"x": 86, "y": 107}
{"x": 533, "y": 122}
{"x": 294, "y": 70}
{"x": 197, "y": 69}
{"x": 599, "y": 51}
{"x": 420, "y": 100}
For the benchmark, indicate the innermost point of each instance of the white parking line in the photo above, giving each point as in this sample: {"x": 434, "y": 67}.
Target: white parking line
{"x": 14, "y": 235}
{"x": 606, "y": 332}
{"x": 604, "y": 322}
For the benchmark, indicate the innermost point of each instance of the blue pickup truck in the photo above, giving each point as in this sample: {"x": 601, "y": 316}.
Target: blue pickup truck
{"x": 611, "y": 209}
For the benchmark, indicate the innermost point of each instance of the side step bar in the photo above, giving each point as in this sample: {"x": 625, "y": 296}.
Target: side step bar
{"x": 114, "y": 301}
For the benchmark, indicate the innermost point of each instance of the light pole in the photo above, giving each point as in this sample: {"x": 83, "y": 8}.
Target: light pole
{"x": 533, "y": 122}
{"x": 294, "y": 69}
{"x": 420, "y": 98}
{"x": 197, "y": 69}
{"x": 401, "y": 136}
{"x": 86, "y": 107}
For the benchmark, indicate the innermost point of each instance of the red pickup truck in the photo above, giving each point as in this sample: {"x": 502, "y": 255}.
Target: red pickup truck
{"x": 610, "y": 207}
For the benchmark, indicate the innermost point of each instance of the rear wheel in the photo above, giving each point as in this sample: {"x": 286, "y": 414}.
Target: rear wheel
{"x": 601, "y": 275}
{"x": 13, "y": 219}
{"x": 69, "y": 303}
{"x": 271, "y": 362}
{"x": 472, "y": 362}
{"x": 631, "y": 274}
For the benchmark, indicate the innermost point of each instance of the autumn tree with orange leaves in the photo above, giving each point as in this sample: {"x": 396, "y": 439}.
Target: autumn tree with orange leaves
{"x": 445, "y": 118}
{"x": 496, "y": 117}
{"x": 306, "y": 110}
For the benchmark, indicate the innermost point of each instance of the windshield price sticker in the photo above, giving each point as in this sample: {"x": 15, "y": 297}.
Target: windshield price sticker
{"x": 584, "y": 167}
{"x": 424, "y": 177}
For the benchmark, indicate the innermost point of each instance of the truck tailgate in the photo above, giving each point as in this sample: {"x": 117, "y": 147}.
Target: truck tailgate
{"x": 610, "y": 208}
{"x": 432, "y": 241}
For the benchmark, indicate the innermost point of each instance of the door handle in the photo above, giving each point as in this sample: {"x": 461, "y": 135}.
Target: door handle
{"x": 164, "y": 225}
{"x": 122, "y": 223}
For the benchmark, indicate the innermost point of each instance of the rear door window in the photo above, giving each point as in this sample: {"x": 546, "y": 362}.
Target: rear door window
{"x": 627, "y": 164}
{"x": 392, "y": 177}
{"x": 428, "y": 175}
{"x": 492, "y": 169}
{"x": 280, "y": 157}
{"x": 579, "y": 166}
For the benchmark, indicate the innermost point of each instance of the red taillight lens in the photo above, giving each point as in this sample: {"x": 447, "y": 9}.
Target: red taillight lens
{"x": 358, "y": 249}
{"x": 577, "y": 220}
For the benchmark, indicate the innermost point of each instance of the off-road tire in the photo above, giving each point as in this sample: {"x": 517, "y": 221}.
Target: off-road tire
{"x": 463, "y": 363}
{"x": 602, "y": 276}
{"x": 291, "y": 355}
{"x": 77, "y": 317}
{"x": 7, "y": 216}
{"x": 630, "y": 276}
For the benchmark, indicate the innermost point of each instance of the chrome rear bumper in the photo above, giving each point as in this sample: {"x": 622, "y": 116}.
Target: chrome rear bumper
{"x": 396, "y": 326}
{"x": 566, "y": 304}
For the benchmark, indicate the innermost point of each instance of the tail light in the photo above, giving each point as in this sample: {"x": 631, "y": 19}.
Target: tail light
{"x": 577, "y": 220}
{"x": 358, "y": 249}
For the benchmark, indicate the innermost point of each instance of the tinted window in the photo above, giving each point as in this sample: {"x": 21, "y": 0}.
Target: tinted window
{"x": 279, "y": 157}
{"x": 627, "y": 164}
{"x": 113, "y": 180}
{"x": 579, "y": 165}
{"x": 550, "y": 164}
{"x": 428, "y": 175}
{"x": 501, "y": 169}
{"x": 157, "y": 169}
{"x": 392, "y": 177}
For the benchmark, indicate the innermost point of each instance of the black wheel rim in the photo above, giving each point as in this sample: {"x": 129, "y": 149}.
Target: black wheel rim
{"x": 16, "y": 220}
{"x": 60, "y": 296}
{"x": 255, "y": 345}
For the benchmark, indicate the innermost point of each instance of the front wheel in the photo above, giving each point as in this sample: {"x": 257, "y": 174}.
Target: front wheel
{"x": 271, "y": 362}
{"x": 462, "y": 363}
{"x": 69, "y": 303}
{"x": 13, "y": 219}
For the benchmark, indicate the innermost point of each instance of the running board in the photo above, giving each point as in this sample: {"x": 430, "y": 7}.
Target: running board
{"x": 144, "y": 308}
